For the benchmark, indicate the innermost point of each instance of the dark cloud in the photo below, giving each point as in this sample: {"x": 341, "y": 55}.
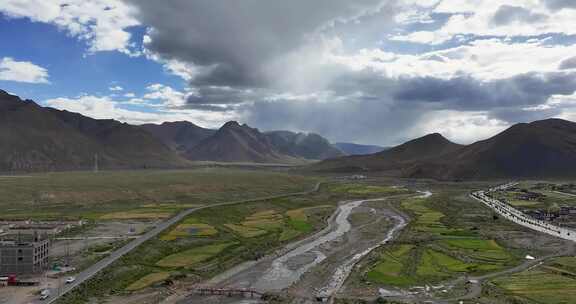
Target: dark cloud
{"x": 237, "y": 40}
{"x": 467, "y": 93}
{"x": 264, "y": 61}
{"x": 560, "y": 4}
{"x": 366, "y": 121}
{"x": 568, "y": 63}
{"x": 217, "y": 95}
{"x": 517, "y": 115}
{"x": 387, "y": 108}
{"x": 507, "y": 14}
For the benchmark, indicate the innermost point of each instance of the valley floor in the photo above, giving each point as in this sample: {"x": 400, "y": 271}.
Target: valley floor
{"x": 356, "y": 241}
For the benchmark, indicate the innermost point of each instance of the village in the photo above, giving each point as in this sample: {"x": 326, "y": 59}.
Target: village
{"x": 543, "y": 202}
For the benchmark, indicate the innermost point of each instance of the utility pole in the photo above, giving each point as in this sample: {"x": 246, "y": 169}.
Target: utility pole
{"x": 96, "y": 168}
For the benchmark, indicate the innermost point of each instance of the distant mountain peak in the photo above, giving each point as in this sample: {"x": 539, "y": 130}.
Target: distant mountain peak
{"x": 232, "y": 124}
{"x": 176, "y": 123}
{"x": 434, "y": 137}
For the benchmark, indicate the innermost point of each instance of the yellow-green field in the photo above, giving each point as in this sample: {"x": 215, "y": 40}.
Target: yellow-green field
{"x": 363, "y": 189}
{"x": 265, "y": 220}
{"x": 108, "y": 194}
{"x": 391, "y": 267}
{"x": 148, "y": 280}
{"x": 226, "y": 236}
{"x": 426, "y": 219}
{"x": 435, "y": 248}
{"x": 245, "y": 232}
{"x": 552, "y": 283}
{"x": 190, "y": 230}
{"x": 193, "y": 256}
{"x": 136, "y": 214}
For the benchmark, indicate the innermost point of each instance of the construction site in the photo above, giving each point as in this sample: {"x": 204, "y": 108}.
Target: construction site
{"x": 39, "y": 256}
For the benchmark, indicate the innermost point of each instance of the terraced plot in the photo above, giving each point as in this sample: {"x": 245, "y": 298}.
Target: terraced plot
{"x": 437, "y": 265}
{"x": 148, "y": 280}
{"x": 265, "y": 220}
{"x": 435, "y": 250}
{"x": 540, "y": 286}
{"x": 427, "y": 219}
{"x": 487, "y": 254}
{"x": 245, "y": 232}
{"x": 193, "y": 256}
{"x": 393, "y": 263}
{"x": 190, "y": 230}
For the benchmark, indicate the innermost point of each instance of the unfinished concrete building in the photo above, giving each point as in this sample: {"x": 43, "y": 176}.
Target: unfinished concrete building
{"x": 21, "y": 257}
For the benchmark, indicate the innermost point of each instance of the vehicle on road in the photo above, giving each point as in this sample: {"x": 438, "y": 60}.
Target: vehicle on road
{"x": 70, "y": 280}
{"x": 44, "y": 294}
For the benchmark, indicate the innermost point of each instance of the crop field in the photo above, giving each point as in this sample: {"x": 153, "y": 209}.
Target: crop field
{"x": 148, "y": 280}
{"x": 551, "y": 283}
{"x": 243, "y": 232}
{"x": 130, "y": 194}
{"x": 359, "y": 189}
{"x": 426, "y": 219}
{"x": 193, "y": 256}
{"x": 189, "y": 229}
{"x": 441, "y": 242}
{"x": 391, "y": 267}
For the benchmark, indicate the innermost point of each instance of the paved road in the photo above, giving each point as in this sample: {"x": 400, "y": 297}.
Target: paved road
{"x": 58, "y": 292}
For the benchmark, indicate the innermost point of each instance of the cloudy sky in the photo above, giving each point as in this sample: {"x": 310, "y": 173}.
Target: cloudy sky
{"x": 367, "y": 71}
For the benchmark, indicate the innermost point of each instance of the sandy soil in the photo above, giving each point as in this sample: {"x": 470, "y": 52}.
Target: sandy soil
{"x": 109, "y": 231}
{"x": 12, "y": 295}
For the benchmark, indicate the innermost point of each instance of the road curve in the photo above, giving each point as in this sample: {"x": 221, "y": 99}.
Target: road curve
{"x": 88, "y": 273}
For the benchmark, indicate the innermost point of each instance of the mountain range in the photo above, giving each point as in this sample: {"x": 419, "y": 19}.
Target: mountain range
{"x": 234, "y": 142}
{"x": 545, "y": 148}
{"x": 35, "y": 138}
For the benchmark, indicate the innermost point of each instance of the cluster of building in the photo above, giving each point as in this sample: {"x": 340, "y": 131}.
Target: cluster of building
{"x": 520, "y": 217}
{"x": 564, "y": 214}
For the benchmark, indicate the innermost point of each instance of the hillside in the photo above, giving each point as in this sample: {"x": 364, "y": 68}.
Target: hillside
{"x": 238, "y": 143}
{"x": 180, "y": 136}
{"x": 394, "y": 159}
{"x": 301, "y": 145}
{"x": 544, "y": 148}
{"x": 540, "y": 149}
{"x": 35, "y": 138}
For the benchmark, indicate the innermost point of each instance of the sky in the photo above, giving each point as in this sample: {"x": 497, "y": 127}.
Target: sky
{"x": 365, "y": 71}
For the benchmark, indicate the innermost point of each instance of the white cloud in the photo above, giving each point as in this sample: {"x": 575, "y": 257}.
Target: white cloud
{"x": 494, "y": 18}
{"x": 107, "y": 108}
{"x": 102, "y": 23}
{"x": 130, "y": 95}
{"x": 22, "y": 71}
{"x": 170, "y": 97}
{"x": 460, "y": 127}
{"x": 116, "y": 88}
{"x": 484, "y": 59}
